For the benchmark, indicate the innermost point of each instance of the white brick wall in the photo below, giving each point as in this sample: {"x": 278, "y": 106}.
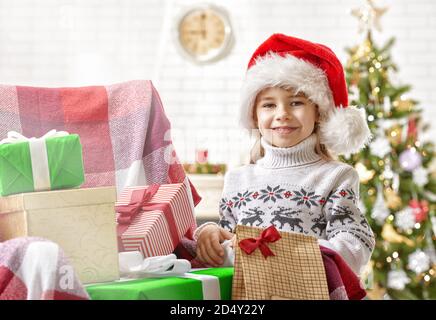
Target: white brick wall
{"x": 84, "y": 42}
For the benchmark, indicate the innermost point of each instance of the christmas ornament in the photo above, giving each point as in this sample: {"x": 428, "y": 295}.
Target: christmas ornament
{"x": 393, "y": 201}
{"x": 388, "y": 173}
{"x": 394, "y": 135}
{"x": 410, "y": 159}
{"x": 405, "y": 219}
{"x": 403, "y": 105}
{"x": 380, "y": 212}
{"x": 412, "y": 132}
{"x": 364, "y": 174}
{"x": 419, "y": 261}
{"x": 397, "y": 279}
{"x": 369, "y": 16}
{"x": 420, "y": 209}
{"x": 420, "y": 176}
{"x": 380, "y": 146}
{"x": 389, "y": 234}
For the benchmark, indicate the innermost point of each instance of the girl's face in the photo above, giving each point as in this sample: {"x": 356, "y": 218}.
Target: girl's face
{"x": 283, "y": 118}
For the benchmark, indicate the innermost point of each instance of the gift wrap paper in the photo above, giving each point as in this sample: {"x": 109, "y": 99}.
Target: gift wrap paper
{"x": 65, "y": 163}
{"x": 165, "y": 288}
{"x": 81, "y": 221}
{"x": 151, "y": 232}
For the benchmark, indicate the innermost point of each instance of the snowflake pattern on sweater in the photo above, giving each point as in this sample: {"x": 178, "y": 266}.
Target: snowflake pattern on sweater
{"x": 311, "y": 216}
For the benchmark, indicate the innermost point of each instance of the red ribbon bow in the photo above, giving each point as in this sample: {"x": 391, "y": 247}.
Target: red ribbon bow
{"x": 138, "y": 200}
{"x": 268, "y": 235}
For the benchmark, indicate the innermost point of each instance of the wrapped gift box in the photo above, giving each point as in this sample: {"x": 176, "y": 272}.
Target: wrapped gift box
{"x": 81, "y": 221}
{"x": 168, "y": 288}
{"x": 154, "y": 225}
{"x": 57, "y": 164}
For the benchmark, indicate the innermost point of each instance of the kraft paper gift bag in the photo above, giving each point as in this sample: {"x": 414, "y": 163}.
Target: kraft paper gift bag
{"x": 273, "y": 265}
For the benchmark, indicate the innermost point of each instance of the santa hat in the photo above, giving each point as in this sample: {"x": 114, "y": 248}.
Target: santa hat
{"x": 314, "y": 70}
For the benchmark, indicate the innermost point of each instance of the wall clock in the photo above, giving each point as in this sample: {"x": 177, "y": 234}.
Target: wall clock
{"x": 204, "y": 33}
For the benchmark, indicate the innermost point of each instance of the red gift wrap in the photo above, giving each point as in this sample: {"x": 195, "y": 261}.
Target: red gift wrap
{"x": 153, "y": 219}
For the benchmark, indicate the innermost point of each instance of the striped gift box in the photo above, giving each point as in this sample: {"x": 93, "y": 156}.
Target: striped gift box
{"x": 151, "y": 232}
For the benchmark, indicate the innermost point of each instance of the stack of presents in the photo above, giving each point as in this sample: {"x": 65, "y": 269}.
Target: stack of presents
{"x": 93, "y": 169}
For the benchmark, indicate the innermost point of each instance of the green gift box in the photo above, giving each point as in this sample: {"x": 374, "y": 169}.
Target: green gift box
{"x": 51, "y": 162}
{"x": 190, "y": 286}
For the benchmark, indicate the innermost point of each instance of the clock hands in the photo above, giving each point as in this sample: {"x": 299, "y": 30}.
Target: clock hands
{"x": 203, "y": 25}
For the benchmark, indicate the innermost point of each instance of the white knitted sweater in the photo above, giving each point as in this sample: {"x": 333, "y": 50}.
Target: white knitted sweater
{"x": 298, "y": 191}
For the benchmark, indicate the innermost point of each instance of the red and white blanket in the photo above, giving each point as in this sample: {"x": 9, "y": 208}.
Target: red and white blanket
{"x": 125, "y": 136}
{"x": 37, "y": 269}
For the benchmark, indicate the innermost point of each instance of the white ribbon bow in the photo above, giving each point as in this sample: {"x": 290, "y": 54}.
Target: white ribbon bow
{"x": 15, "y": 137}
{"x": 38, "y": 155}
{"x": 133, "y": 265}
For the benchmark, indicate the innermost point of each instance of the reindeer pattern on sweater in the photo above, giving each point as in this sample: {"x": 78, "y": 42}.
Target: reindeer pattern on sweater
{"x": 305, "y": 213}
{"x": 324, "y": 203}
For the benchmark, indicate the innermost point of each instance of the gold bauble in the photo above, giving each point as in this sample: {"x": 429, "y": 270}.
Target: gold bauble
{"x": 394, "y": 135}
{"x": 389, "y": 234}
{"x": 403, "y": 105}
{"x": 364, "y": 174}
{"x": 393, "y": 201}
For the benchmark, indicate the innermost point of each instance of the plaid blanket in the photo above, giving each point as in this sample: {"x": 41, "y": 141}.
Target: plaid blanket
{"x": 123, "y": 129}
{"x": 342, "y": 282}
{"x": 125, "y": 134}
{"x": 36, "y": 269}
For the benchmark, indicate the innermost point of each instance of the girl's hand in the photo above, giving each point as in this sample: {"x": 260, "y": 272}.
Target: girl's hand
{"x": 209, "y": 248}
{"x": 233, "y": 241}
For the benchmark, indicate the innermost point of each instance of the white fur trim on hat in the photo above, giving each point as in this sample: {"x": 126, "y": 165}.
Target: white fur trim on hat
{"x": 342, "y": 130}
{"x": 345, "y": 130}
{"x": 273, "y": 70}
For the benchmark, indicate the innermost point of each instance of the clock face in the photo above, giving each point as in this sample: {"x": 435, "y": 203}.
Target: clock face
{"x": 204, "y": 34}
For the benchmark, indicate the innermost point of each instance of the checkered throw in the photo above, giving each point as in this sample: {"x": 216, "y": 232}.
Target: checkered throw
{"x": 123, "y": 129}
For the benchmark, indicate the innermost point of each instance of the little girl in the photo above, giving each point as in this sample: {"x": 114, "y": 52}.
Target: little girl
{"x": 295, "y": 96}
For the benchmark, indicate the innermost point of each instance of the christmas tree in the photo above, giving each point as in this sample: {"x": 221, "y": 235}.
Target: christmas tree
{"x": 397, "y": 191}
